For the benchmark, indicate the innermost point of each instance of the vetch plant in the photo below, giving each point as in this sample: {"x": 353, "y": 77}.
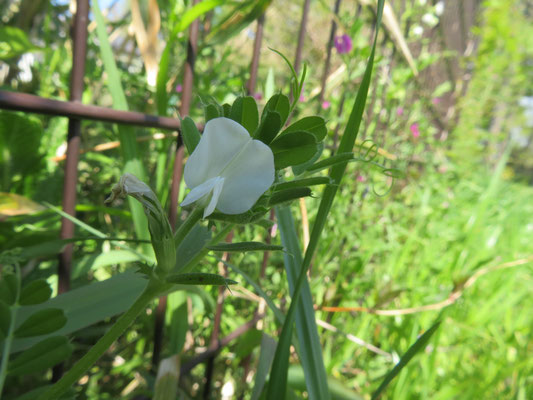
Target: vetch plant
{"x": 243, "y": 165}
{"x": 228, "y": 170}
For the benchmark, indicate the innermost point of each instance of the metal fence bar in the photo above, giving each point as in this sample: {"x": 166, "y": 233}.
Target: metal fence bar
{"x": 301, "y": 36}
{"x": 73, "y": 140}
{"x": 329, "y": 47}
{"x": 79, "y": 46}
{"x": 39, "y": 105}
{"x": 252, "y": 82}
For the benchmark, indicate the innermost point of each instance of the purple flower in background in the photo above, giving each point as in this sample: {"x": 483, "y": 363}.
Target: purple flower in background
{"x": 258, "y": 96}
{"x": 343, "y": 44}
{"x": 361, "y": 178}
{"x": 436, "y": 100}
{"x": 179, "y": 88}
{"x": 325, "y": 105}
{"x": 415, "y": 130}
{"x": 399, "y": 111}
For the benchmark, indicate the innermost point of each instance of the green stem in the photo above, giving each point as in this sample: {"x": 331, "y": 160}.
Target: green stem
{"x": 202, "y": 253}
{"x": 7, "y": 348}
{"x": 87, "y": 361}
{"x": 10, "y": 333}
{"x": 188, "y": 224}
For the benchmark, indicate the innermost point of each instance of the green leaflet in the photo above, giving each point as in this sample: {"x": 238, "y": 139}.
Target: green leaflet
{"x": 245, "y": 246}
{"x": 198, "y": 278}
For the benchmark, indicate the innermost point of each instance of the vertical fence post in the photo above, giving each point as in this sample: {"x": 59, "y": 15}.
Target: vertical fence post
{"x": 301, "y": 36}
{"x": 79, "y": 48}
{"x": 188, "y": 81}
{"x": 254, "y": 67}
{"x": 327, "y": 63}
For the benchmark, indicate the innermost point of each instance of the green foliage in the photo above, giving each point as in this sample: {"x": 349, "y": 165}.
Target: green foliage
{"x": 14, "y": 42}
{"x": 20, "y": 138}
{"x": 450, "y": 240}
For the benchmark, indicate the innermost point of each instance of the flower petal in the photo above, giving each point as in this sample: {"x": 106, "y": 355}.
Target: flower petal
{"x": 199, "y": 191}
{"x": 248, "y": 176}
{"x": 221, "y": 141}
{"x": 217, "y": 189}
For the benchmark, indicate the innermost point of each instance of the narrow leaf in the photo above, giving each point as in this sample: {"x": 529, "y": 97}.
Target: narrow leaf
{"x": 198, "y": 278}
{"x": 5, "y": 320}
{"x": 318, "y": 180}
{"x": 191, "y": 135}
{"x": 278, "y": 378}
{"x": 41, "y": 356}
{"x": 288, "y": 195}
{"x": 268, "y": 349}
{"x": 411, "y": 352}
{"x": 245, "y": 246}
{"x": 128, "y": 144}
{"x": 41, "y": 323}
{"x": 328, "y": 162}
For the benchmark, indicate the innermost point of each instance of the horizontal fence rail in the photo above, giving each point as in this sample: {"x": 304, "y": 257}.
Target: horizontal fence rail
{"x": 35, "y": 104}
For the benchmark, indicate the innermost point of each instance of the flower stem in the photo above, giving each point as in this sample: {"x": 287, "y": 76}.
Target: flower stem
{"x": 187, "y": 225}
{"x": 10, "y": 332}
{"x": 7, "y": 348}
{"x": 87, "y": 361}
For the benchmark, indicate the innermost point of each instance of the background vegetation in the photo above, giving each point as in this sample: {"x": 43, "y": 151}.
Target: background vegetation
{"x": 449, "y": 239}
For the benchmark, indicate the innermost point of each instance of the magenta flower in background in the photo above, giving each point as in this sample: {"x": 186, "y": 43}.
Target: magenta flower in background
{"x": 343, "y": 44}
{"x": 361, "y": 178}
{"x": 325, "y": 105}
{"x": 436, "y": 100}
{"x": 399, "y": 111}
{"x": 258, "y": 96}
{"x": 415, "y": 130}
{"x": 179, "y": 88}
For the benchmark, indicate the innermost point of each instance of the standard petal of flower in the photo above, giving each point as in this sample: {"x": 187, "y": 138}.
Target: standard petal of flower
{"x": 217, "y": 189}
{"x": 221, "y": 141}
{"x": 199, "y": 191}
{"x": 249, "y": 175}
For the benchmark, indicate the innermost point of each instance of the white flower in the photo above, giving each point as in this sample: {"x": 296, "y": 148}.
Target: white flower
{"x": 418, "y": 30}
{"x": 228, "y": 170}
{"x": 439, "y": 8}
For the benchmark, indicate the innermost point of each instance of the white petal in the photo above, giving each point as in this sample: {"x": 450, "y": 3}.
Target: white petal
{"x": 221, "y": 141}
{"x": 248, "y": 176}
{"x": 217, "y": 189}
{"x": 199, "y": 191}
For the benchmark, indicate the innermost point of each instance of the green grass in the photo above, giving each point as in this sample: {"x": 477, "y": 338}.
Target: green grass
{"x": 410, "y": 249}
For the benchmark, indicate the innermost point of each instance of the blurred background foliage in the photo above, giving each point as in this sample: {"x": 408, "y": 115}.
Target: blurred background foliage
{"x": 437, "y": 241}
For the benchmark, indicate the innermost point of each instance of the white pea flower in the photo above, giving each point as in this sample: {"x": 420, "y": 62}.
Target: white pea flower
{"x": 228, "y": 170}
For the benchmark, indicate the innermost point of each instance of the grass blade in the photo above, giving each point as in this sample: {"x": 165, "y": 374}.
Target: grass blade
{"x": 128, "y": 144}
{"x": 415, "y": 348}
{"x": 278, "y": 375}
